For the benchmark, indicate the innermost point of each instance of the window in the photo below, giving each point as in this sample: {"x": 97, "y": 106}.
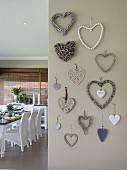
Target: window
{"x": 31, "y": 80}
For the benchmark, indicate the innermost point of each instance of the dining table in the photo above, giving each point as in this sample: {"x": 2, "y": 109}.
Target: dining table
{"x": 5, "y": 123}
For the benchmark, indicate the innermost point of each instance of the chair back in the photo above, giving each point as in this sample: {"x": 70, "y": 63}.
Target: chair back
{"x": 38, "y": 122}
{"x": 23, "y": 128}
{"x": 28, "y": 107}
{"x": 31, "y": 124}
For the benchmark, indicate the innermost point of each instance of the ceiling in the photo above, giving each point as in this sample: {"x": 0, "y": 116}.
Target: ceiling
{"x": 23, "y": 29}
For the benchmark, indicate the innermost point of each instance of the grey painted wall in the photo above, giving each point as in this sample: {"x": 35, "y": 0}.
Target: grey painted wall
{"x": 89, "y": 153}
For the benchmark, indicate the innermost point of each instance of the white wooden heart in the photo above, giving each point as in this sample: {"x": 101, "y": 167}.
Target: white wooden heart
{"x": 57, "y": 126}
{"x": 66, "y": 106}
{"x": 76, "y": 75}
{"x": 91, "y": 29}
{"x": 114, "y": 119}
{"x": 101, "y": 93}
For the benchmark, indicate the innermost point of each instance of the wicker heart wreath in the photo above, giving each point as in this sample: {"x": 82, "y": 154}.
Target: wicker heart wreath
{"x": 101, "y": 84}
{"x": 60, "y": 30}
{"x": 103, "y": 57}
{"x": 65, "y": 51}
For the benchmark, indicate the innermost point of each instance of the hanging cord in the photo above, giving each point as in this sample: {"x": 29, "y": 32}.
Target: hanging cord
{"x": 66, "y": 94}
{"x": 102, "y": 120}
{"x": 114, "y": 108}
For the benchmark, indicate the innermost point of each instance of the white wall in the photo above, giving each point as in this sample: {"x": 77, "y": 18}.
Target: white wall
{"x": 89, "y": 153}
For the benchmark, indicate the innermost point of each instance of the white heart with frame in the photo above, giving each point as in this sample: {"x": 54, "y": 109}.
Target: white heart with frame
{"x": 114, "y": 119}
{"x": 101, "y": 93}
{"x": 91, "y": 29}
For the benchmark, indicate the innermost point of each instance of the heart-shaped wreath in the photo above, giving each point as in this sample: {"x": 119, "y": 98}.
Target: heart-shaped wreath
{"x": 63, "y": 31}
{"x": 71, "y": 139}
{"x": 101, "y": 84}
{"x": 65, "y": 51}
{"x": 90, "y": 29}
{"x": 104, "y": 57}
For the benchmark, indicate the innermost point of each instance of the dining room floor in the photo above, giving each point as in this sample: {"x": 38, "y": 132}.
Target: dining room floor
{"x": 33, "y": 158}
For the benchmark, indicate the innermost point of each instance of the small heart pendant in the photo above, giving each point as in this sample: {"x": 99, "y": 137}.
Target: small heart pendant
{"x": 101, "y": 93}
{"x": 102, "y": 133}
{"x": 57, "y": 86}
{"x": 57, "y": 126}
{"x": 114, "y": 119}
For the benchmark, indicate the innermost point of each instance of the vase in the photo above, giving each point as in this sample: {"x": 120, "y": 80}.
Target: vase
{"x": 10, "y": 112}
{"x": 15, "y": 98}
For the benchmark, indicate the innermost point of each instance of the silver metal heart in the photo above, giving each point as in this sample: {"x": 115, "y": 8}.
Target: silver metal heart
{"x": 101, "y": 93}
{"x": 91, "y": 29}
{"x": 105, "y": 56}
{"x": 60, "y": 30}
{"x": 71, "y": 139}
{"x": 76, "y": 75}
{"x": 101, "y": 106}
{"x": 66, "y": 106}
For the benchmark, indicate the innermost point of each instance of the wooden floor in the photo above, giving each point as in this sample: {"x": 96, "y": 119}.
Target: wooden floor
{"x": 33, "y": 158}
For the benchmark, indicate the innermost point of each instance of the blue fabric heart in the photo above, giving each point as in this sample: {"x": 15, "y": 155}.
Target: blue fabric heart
{"x": 102, "y": 133}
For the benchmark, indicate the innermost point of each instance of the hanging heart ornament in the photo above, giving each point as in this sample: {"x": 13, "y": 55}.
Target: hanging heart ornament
{"x": 65, "y": 51}
{"x": 100, "y": 60}
{"x": 102, "y": 133}
{"x": 56, "y": 86}
{"x": 101, "y": 84}
{"x": 91, "y": 29}
{"x": 60, "y": 30}
{"x": 114, "y": 119}
{"x": 65, "y": 103}
{"x": 71, "y": 139}
{"x": 76, "y": 75}
{"x": 101, "y": 93}
{"x": 84, "y": 122}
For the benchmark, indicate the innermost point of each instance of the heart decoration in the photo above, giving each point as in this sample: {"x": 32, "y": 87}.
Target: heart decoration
{"x": 102, "y": 133}
{"x": 65, "y": 103}
{"x": 56, "y": 86}
{"x": 59, "y": 15}
{"x": 101, "y": 84}
{"x": 84, "y": 122}
{"x": 104, "y": 57}
{"x": 76, "y": 75}
{"x": 57, "y": 126}
{"x": 66, "y": 106}
{"x": 71, "y": 139}
{"x": 101, "y": 93}
{"x": 90, "y": 29}
{"x": 65, "y": 51}
{"x": 114, "y": 119}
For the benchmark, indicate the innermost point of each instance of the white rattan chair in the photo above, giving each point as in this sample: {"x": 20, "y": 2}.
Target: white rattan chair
{"x": 19, "y": 135}
{"x": 31, "y": 126}
{"x": 38, "y": 123}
